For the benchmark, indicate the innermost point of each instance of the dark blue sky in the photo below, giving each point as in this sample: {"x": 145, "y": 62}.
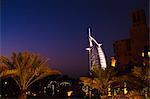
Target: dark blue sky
{"x": 57, "y": 29}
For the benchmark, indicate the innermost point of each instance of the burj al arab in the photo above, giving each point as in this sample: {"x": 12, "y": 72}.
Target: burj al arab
{"x": 96, "y": 54}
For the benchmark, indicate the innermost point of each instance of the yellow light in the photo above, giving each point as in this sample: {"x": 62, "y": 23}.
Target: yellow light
{"x": 109, "y": 93}
{"x": 69, "y": 93}
{"x": 142, "y": 54}
{"x": 148, "y": 54}
{"x": 125, "y": 91}
{"x": 113, "y": 61}
{"x": 115, "y": 93}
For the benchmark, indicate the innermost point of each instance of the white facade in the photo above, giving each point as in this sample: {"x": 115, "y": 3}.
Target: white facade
{"x": 96, "y": 54}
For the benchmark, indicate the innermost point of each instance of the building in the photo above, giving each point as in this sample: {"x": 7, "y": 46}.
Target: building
{"x": 122, "y": 49}
{"x": 96, "y": 54}
{"x": 132, "y": 49}
{"x": 139, "y": 34}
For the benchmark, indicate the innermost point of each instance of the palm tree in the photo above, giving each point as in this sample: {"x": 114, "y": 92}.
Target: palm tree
{"x": 25, "y": 69}
{"x": 140, "y": 79}
{"x": 101, "y": 79}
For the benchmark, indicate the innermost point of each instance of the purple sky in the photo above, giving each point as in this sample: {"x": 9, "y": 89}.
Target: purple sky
{"x": 57, "y": 29}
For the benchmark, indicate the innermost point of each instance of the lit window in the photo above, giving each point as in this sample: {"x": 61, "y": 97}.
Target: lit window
{"x": 142, "y": 54}
{"x": 148, "y": 54}
{"x": 113, "y": 61}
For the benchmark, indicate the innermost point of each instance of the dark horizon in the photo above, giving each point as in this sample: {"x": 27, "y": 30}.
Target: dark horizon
{"x": 57, "y": 29}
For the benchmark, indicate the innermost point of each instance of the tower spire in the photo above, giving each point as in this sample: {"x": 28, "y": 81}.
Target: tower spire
{"x": 89, "y": 31}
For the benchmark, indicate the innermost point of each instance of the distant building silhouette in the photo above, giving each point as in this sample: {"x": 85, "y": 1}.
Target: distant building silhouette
{"x": 135, "y": 48}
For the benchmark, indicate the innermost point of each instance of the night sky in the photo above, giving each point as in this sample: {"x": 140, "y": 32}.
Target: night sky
{"x": 57, "y": 29}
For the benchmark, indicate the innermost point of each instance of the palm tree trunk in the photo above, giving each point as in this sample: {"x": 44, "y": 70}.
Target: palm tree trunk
{"x": 22, "y": 94}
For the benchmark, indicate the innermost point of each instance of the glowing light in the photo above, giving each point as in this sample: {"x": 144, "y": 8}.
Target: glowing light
{"x": 125, "y": 91}
{"x": 142, "y": 54}
{"x": 113, "y": 61}
{"x": 69, "y": 93}
{"x": 88, "y": 49}
{"x": 33, "y": 94}
{"x": 109, "y": 93}
{"x": 148, "y": 54}
{"x": 28, "y": 92}
{"x": 6, "y": 83}
{"x": 115, "y": 93}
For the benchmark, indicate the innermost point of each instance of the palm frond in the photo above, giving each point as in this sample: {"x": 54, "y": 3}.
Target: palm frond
{"x": 26, "y": 68}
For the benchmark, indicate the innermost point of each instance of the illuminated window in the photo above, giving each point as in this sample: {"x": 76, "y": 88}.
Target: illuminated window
{"x": 148, "y": 54}
{"x": 113, "y": 62}
{"x": 142, "y": 54}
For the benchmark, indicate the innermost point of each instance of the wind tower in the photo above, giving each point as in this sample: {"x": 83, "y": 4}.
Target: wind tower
{"x": 96, "y": 54}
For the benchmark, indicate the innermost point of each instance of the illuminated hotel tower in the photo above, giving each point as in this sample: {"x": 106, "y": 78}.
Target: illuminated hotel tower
{"x": 96, "y": 54}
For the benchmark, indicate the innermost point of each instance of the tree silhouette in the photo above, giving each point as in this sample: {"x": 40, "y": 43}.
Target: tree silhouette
{"x": 25, "y": 69}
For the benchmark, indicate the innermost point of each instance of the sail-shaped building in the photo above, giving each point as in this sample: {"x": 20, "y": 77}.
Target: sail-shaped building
{"x": 96, "y": 54}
